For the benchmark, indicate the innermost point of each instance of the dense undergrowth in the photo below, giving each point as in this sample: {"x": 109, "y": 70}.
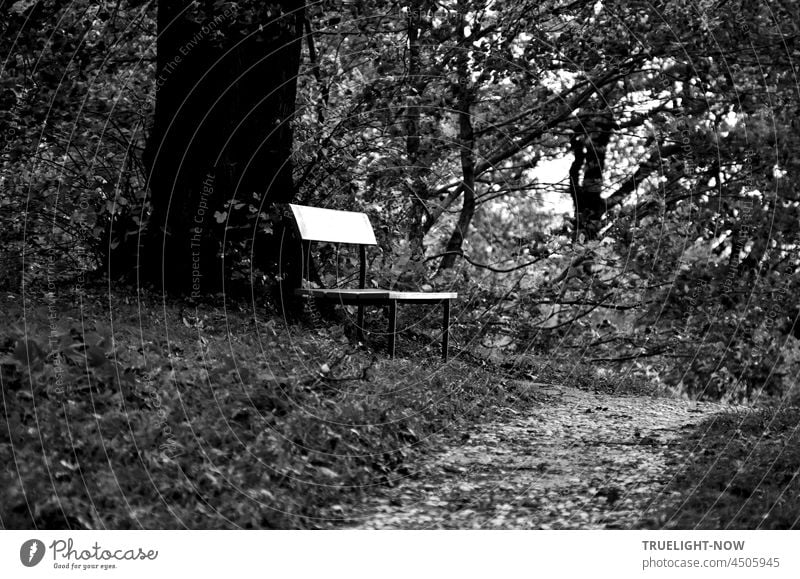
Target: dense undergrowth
{"x": 163, "y": 416}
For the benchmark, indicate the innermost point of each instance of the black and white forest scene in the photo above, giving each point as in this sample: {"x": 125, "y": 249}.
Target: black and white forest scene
{"x": 381, "y": 264}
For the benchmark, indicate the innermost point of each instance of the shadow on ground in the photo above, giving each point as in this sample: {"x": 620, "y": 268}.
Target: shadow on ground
{"x": 741, "y": 471}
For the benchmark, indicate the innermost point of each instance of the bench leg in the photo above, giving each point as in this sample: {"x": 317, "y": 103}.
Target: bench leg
{"x": 360, "y": 329}
{"x": 445, "y": 328}
{"x": 392, "y": 326}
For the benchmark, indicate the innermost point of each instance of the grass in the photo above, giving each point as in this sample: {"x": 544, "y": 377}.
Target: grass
{"x": 744, "y": 474}
{"x": 120, "y": 411}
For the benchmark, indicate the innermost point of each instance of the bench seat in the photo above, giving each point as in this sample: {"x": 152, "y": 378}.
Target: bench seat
{"x": 357, "y": 296}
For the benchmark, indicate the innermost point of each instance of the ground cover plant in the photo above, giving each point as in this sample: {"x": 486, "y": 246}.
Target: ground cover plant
{"x": 170, "y": 417}
{"x": 744, "y": 473}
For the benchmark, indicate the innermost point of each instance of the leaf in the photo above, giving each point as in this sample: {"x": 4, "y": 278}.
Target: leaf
{"x": 95, "y": 356}
{"x": 27, "y": 352}
{"x": 68, "y": 465}
{"x": 21, "y": 6}
{"x": 107, "y": 339}
{"x": 328, "y": 472}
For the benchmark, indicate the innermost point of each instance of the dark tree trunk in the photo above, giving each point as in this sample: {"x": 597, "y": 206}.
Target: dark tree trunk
{"x": 454, "y": 245}
{"x": 589, "y": 157}
{"x": 226, "y": 87}
{"x": 466, "y": 136}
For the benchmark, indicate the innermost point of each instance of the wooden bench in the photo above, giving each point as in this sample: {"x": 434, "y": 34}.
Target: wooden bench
{"x": 348, "y": 227}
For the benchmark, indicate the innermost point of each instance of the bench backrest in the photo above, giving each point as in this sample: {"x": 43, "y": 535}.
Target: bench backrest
{"x": 316, "y": 224}
{"x": 332, "y": 226}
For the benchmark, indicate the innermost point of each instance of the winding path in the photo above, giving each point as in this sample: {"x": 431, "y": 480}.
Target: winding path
{"x": 578, "y": 460}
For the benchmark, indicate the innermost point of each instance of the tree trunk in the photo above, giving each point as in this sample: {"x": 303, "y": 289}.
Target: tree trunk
{"x": 416, "y": 86}
{"x": 466, "y": 139}
{"x": 589, "y": 158}
{"x": 226, "y": 87}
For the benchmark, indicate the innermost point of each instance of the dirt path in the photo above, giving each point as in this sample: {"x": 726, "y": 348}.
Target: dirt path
{"x": 579, "y": 460}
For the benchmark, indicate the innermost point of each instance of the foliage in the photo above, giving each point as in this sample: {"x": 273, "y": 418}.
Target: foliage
{"x": 207, "y": 418}
{"x": 697, "y": 184}
{"x": 74, "y": 117}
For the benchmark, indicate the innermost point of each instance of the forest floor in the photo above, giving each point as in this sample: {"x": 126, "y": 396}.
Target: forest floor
{"x": 597, "y": 460}
{"x": 235, "y": 420}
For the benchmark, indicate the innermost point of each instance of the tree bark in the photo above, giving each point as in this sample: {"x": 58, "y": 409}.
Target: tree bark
{"x": 226, "y": 88}
{"x": 466, "y": 137}
{"x": 586, "y": 174}
{"x": 416, "y": 87}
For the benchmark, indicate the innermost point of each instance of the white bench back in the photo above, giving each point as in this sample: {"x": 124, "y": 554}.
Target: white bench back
{"x": 316, "y": 224}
